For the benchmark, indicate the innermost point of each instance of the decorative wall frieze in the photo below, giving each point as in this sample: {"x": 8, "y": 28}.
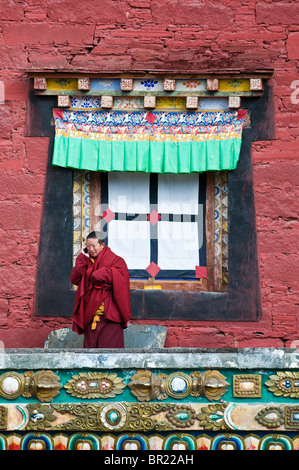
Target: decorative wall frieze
{"x": 178, "y": 86}
{"x": 145, "y": 385}
{"x": 45, "y": 385}
{"x": 109, "y": 92}
{"x": 171, "y": 441}
{"x": 96, "y": 407}
{"x": 153, "y": 416}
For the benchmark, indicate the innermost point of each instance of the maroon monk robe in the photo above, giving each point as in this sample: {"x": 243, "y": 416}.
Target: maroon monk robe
{"x": 104, "y": 280}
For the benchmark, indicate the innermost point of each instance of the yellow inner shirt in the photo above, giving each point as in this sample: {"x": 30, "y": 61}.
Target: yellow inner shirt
{"x": 99, "y": 312}
{"x": 97, "y": 316}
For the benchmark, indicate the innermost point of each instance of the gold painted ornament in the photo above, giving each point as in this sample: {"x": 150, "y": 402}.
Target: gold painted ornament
{"x": 40, "y": 416}
{"x": 271, "y": 416}
{"x": 95, "y": 385}
{"x": 44, "y": 385}
{"x": 284, "y": 384}
{"x": 211, "y": 384}
{"x": 146, "y": 386}
{"x": 212, "y": 417}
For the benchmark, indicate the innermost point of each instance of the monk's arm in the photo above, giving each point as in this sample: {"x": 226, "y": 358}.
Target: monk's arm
{"x": 79, "y": 269}
{"x": 102, "y": 275}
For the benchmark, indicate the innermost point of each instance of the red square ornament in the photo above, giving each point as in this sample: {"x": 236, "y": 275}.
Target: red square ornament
{"x": 201, "y": 272}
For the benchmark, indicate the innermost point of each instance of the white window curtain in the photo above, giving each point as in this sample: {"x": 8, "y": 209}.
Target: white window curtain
{"x": 128, "y": 194}
{"x": 173, "y": 240}
{"x": 178, "y": 239}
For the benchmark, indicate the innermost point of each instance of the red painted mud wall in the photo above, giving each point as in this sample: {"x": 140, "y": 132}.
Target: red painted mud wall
{"x": 157, "y": 35}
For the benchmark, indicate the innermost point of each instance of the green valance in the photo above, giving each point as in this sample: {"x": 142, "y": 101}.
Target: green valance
{"x": 155, "y": 142}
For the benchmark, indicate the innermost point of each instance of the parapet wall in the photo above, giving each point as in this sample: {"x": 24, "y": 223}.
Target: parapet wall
{"x": 162, "y": 399}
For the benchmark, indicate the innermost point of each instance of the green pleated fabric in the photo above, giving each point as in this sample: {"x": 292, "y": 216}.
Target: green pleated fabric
{"x": 146, "y": 156}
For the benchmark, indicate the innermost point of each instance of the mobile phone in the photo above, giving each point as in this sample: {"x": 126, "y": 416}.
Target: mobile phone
{"x": 85, "y": 250}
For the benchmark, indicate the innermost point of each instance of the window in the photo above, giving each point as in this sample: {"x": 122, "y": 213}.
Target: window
{"x": 231, "y": 289}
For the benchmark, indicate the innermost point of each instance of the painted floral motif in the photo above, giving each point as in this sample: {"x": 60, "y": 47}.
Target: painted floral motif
{"x": 149, "y": 83}
{"x": 128, "y": 102}
{"x": 191, "y": 83}
{"x": 170, "y": 102}
{"x": 86, "y": 102}
{"x": 63, "y": 83}
{"x": 235, "y": 83}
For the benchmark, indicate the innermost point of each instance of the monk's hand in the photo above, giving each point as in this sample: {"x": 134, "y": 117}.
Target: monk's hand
{"x": 84, "y": 251}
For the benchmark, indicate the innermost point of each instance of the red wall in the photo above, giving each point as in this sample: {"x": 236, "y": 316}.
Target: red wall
{"x": 137, "y": 35}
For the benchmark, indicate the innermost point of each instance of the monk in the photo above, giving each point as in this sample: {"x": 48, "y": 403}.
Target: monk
{"x": 102, "y": 306}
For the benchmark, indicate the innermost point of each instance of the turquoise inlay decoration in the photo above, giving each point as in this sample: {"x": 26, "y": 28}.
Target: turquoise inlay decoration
{"x": 85, "y": 442}
{"x": 180, "y": 442}
{"x": 129, "y": 442}
{"x": 34, "y": 441}
{"x": 276, "y": 443}
{"x": 226, "y": 442}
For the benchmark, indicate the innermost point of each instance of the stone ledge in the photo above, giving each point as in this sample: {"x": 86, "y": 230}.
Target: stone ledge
{"x": 135, "y": 336}
{"x": 166, "y": 358}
